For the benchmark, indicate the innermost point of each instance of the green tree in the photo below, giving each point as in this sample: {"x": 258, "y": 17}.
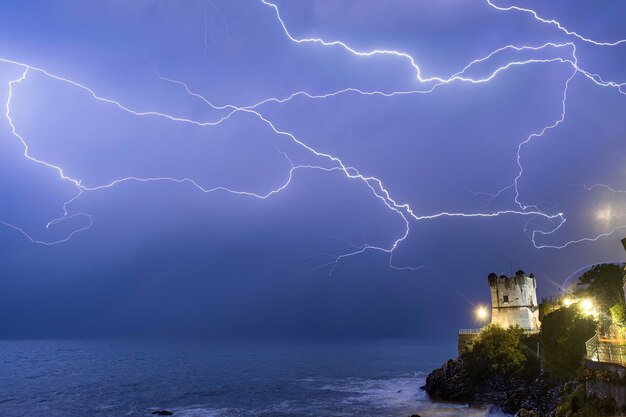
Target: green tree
{"x": 495, "y": 352}
{"x": 618, "y": 313}
{"x": 563, "y": 335}
{"x": 604, "y": 283}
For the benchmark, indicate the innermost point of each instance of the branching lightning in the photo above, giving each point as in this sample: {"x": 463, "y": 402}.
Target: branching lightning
{"x": 332, "y": 164}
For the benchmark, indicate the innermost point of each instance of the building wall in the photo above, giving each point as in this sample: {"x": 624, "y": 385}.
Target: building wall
{"x": 465, "y": 339}
{"x": 602, "y": 388}
{"x": 523, "y": 317}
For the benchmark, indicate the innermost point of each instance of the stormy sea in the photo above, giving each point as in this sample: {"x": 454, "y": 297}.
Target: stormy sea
{"x": 211, "y": 378}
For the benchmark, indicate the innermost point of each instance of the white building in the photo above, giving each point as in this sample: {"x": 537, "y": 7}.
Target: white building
{"x": 514, "y": 300}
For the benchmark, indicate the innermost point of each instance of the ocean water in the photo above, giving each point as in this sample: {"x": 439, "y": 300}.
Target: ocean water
{"x": 208, "y": 378}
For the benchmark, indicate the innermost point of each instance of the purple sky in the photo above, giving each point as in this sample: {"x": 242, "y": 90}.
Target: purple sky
{"x": 361, "y": 206}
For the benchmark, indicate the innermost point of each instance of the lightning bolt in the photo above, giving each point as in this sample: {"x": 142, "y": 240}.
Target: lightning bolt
{"x": 332, "y": 164}
{"x": 554, "y": 23}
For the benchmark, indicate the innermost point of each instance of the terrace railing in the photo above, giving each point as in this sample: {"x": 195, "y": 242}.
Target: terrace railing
{"x": 606, "y": 350}
{"x": 476, "y": 331}
{"x": 591, "y": 346}
{"x": 469, "y": 331}
{"x": 551, "y": 299}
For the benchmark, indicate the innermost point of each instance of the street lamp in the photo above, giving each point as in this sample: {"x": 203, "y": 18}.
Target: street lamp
{"x": 588, "y": 308}
{"x": 482, "y": 314}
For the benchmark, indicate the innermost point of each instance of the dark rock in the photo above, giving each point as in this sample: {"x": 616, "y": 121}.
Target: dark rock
{"x": 449, "y": 383}
{"x": 544, "y": 394}
{"x": 163, "y": 413}
{"x": 415, "y": 415}
{"x": 527, "y": 413}
{"x": 536, "y": 398}
{"x": 505, "y": 393}
{"x": 511, "y": 395}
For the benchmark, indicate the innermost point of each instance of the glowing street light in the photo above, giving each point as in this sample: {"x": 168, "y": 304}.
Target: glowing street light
{"x": 482, "y": 314}
{"x": 568, "y": 302}
{"x": 587, "y": 307}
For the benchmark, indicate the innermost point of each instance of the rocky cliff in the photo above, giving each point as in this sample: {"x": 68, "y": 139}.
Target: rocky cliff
{"x": 539, "y": 397}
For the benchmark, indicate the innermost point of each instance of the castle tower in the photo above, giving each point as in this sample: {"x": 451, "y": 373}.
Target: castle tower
{"x": 514, "y": 300}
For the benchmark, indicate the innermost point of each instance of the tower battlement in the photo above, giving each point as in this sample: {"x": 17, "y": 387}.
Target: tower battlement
{"x": 514, "y": 300}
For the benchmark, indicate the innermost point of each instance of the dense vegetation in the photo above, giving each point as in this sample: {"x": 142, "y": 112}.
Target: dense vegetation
{"x": 577, "y": 404}
{"x": 604, "y": 284}
{"x": 501, "y": 352}
{"x": 507, "y": 352}
{"x": 563, "y": 335}
{"x": 618, "y": 313}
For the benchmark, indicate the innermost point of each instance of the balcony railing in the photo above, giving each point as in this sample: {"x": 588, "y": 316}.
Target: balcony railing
{"x": 606, "y": 350}
{"x": 591, "y": 346}
{"x": 551, "y": 299}
{"x": 469, "y": 331}
{"x": 476, "y": 331}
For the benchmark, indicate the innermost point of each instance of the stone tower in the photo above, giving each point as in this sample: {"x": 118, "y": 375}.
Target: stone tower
{"x": 514, "y": 300}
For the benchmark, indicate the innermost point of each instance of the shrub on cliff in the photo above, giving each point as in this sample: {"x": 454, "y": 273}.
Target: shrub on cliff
{"x": 578, "y": 404}
{"x": 495, "y": 352}
{"x": 563, "y": 335}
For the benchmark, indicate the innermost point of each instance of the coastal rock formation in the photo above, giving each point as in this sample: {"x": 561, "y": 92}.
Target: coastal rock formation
{"x": 508, "y": 394}
{"x": 449, "y": 383}
{"x": 511, "y": 395}
{"x": 544, "y": 395}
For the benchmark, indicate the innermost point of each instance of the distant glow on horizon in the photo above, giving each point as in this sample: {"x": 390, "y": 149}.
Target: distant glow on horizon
{"x": 565, "y": 57}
